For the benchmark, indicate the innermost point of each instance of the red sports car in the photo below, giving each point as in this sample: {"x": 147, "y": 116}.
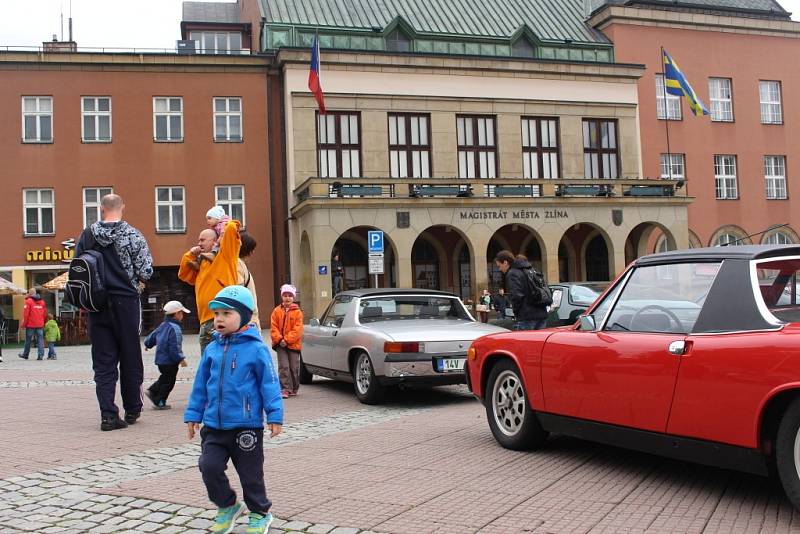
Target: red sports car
{"x": 690, "y": 354}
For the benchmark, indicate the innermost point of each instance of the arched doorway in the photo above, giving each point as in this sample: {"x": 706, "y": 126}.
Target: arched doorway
{"x": 517, "y": 239}
{"x": 597, "y": 260}
{"x": 425, "y": 265}
{"x": 441, "y": 259}
{"x": 352, "y": 249}
{"x": 647, "y": 238}
{"x": 584, "y": 253}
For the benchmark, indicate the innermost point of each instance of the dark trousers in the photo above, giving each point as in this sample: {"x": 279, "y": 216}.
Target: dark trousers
{"x": 162, "y": 387}
{"x": 338, "y": 284}
{"x": 533, "y": 324}
{"x": 117, "y": 354}
{"x": 246, "y": 448}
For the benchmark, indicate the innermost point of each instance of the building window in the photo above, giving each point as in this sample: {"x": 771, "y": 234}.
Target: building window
{"x": 721, "y": 96}
{"x": 770, "y": 96}
{"x": 725, "y": 175}
{"x": 217, "y": 42}
{"x": 724, "y": 240}
{"x": 398, "y": 41}
{"x": 39, "y": 211}
{"x": 778, "y": 238}
{"x": 522, "y": 47}
{"x": 477, "y": 149}
{"x": 37, "y": 119}
{"x": 409, "y": 146}
{"x": 672, "y": 166}
{"x": 170, "y": 209}
{"x": 775, "y": 176}
{"x": 168, "y": 118}
{"x": 228, "y": 119}
{"x": 231, "y": 198}
{"x": 91, "y": 203}
{"x": 96, "y": 126}
{"x": 600, "y": 153}
{"x": 673, "y": 103}
{"x": 339, "y": 145}
{"x": 540, "y": 150}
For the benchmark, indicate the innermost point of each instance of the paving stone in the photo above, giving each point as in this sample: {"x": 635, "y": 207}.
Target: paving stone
{"x": 295, "y": 525}
{"x": 320, "y": 529}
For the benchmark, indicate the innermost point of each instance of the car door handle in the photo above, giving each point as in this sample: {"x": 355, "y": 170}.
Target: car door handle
{"x": 677, "y": 348}
{"x": 335, "y": 332}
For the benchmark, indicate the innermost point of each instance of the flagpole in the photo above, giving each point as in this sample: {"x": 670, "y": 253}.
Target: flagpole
{"x": 666, "y": 112}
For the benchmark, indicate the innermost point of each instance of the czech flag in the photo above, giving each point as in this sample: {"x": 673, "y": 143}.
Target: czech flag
{"x": 315, "y": 74}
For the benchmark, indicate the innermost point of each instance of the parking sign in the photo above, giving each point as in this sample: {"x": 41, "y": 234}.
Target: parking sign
{"x": 375, "y": 241}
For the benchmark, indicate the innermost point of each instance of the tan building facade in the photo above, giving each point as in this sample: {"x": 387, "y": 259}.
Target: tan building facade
{"x": 442, "y": 222}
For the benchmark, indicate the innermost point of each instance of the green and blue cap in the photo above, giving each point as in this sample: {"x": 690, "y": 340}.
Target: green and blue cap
{"x": 236, "y": 298}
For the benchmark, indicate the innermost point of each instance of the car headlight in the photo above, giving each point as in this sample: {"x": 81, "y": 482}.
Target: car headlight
{"x": 472, "y": 354}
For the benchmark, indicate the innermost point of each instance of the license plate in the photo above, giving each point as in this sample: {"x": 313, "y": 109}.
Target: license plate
{"x": 449, "y": 365}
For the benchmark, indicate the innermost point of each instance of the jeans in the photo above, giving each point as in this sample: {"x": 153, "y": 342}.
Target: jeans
{"x": 51, "y": 349}
{"x": 29, "y": 334}
{"x": 535, "y": 324}
{"x": 338, "y": 284}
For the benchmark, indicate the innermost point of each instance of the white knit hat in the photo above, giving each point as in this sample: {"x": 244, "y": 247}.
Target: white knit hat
{"x": 218, "y": 212}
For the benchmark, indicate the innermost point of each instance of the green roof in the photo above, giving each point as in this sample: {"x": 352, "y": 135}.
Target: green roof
{"x": 548, "y": 20}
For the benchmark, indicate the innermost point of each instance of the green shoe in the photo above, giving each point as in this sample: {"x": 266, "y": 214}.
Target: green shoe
{"x": 226, "y": 518}
{"x": 258, "y": 523}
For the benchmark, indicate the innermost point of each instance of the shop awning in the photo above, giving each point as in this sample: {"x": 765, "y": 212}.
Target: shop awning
{"x": 7, "y": 288}
{"x": 58, "y": 283}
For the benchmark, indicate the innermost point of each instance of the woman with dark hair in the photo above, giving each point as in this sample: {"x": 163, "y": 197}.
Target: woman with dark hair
{"x": 244, "y": 278}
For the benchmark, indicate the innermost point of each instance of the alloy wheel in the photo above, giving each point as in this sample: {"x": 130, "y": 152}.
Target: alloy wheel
{"x": 363, "y": 374}
{"x": 508, "y": 403}
{"x": 797, "y": 452}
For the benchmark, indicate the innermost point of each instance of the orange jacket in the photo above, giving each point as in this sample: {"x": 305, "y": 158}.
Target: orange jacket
{"x": 213, "y": 276}
{"x": 287, "y": 325}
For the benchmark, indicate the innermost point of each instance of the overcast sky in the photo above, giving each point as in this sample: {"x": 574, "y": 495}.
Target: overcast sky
{"x": 115, "y": 23}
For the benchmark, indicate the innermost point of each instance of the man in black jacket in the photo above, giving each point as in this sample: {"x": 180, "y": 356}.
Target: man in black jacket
{"x": 500, "y": 303}
{"x": 114, "y": 331}
{"x": 529, "y": 316}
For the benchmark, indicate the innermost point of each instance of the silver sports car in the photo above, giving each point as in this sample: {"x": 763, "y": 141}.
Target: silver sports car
{"x": 382, "y": 337}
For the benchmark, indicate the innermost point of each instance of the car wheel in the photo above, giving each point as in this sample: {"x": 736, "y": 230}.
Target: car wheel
{"x": 305, "y": 376}
{"x": 513, "y": 423}
{"x": 367, "y": 388}
{"x": 787, "y": 452}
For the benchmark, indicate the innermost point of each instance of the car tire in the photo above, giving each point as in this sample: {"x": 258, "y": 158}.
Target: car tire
{"x": 787, "y": 452}
{"x": 365, "y": 384}
{"x": 305, "y": 376}
{"x": 511, "y": 419}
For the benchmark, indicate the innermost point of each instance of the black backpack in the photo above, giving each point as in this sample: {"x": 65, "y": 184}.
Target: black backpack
{"x": 538, "y": 292}
{"x": 86, "y": 281}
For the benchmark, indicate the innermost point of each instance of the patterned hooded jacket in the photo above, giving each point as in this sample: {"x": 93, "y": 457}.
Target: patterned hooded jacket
{"x": 132, "y": 262}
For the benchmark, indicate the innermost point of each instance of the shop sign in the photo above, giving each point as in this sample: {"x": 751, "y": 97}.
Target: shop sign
{"x": 523, "y": 214}
{"x": 48, "y": 254}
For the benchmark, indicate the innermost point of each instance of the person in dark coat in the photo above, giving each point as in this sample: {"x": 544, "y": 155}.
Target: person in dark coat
{"x": 500, "y": 303}
{"x": 529, "y": 316}
{"x": 337, "y": 274}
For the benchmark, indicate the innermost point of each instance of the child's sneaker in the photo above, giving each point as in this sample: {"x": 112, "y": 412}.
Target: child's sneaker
{"x": 258, "y": 523}
{"x": 149, "y": 395}
{"x": 226, "y": 518}
{"x": 284, "y": 394}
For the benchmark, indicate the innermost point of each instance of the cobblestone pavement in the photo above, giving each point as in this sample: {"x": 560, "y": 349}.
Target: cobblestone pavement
{"x": 423, "y": 462}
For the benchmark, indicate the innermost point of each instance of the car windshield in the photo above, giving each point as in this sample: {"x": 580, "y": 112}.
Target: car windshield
{"x": 780, "y": 288}
{"x": 585, "y": 294}
{"x": 399, "y": 307}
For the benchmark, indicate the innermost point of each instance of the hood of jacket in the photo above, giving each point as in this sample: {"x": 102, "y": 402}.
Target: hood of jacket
{"x": 521, "y": 264}
{"x": 107, "y": 233}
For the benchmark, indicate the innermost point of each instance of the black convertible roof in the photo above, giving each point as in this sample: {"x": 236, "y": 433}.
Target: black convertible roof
{"x": 737, "y": 252}
{"x": 373, "y": 292}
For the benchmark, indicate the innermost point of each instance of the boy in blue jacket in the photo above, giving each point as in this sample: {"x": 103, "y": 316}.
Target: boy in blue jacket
{"x": 234, "y": 387}
{"x": 169, "y": 354}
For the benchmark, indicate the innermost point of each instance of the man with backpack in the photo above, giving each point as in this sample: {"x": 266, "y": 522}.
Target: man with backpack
{"x": 124, "y": 263}
{"x": 527, "y": 291}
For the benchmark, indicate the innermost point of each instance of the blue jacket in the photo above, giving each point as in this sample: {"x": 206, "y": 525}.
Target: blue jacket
{"x": 169, "y": 339}
{"x": 235, "y": 384}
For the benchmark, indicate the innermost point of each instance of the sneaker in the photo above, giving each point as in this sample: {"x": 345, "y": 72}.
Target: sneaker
{"x": 149, "y": 395}
{"x": 131, "y": 417}
{"x": 22, "y": 356}
{"x": 162, "y": 406}
{"x": 258, "y": 523}
{"x": 1, "y": 358}
{"x": 40, "y": 358}
{"x": 52, "y": 358}
{"x": 226, "y": 518}
{"x": 112, "y": 423}
{"x": 292, "y": 393}
{"x": 284, "y": 394}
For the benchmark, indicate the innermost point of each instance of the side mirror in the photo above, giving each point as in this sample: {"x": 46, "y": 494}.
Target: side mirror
{"x": 313, "y": 322}
{"x": 587, "y": 323}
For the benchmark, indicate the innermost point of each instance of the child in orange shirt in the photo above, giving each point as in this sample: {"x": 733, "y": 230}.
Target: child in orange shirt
{"x": 286, "y": 331}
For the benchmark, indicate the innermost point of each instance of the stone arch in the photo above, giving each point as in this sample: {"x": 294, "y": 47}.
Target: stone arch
{"x": 580, "y": 236}
{"x": 733, "y": 230}
{"x": 694, "y": 241}
{"x": 453, "y": 274}
{"x": 645, "y": 237}
{"x": 352, "y": 247}
{"x": 305, "y": 284}
{"x": 528, "y": 242}
{"x": 785, "y": 230}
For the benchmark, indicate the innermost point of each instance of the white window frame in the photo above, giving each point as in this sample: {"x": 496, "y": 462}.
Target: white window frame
{"x": 720, "y": 92}
{"x": 677, "y": 163}
{"x": 229, "y": 202}
{"x": 199, "y": 37}
{"x": 726, "y": 238}
{"x": 778, "y": 238}
{"x": 775, "y": 177}
{"x": 769, "y": 94}
{"x": 726, "y": 183}
{"x": 97, "y": 115}
{"x": 39, "y": 205}
{"x": 171, "y": 203}
{"x": 477, "y": 146}
{"x": 227, "y": 114}
{"x": 168, "y": 114}
{"x": 409, "y": 145}
{"x": 673, "y": 111}
{"x": 38, "y": 114}
{"x": 96, "y": 204}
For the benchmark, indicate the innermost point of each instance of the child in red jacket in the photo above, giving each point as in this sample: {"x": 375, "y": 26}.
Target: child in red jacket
{"x": 286, "y": 331}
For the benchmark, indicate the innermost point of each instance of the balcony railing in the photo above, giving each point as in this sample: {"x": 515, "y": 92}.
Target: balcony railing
{"x": 449, "y": 187}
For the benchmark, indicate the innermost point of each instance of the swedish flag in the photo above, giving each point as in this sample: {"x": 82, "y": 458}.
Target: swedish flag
{"x": 677, "y": 84}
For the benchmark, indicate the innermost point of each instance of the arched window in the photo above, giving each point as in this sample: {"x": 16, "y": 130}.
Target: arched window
{"x": 397, "y": 41}
{"x": 778, "y": 238}
{"x": 723, "y": 240}
{"x": 523, "y": 48}
{"x": 662, "y": 245}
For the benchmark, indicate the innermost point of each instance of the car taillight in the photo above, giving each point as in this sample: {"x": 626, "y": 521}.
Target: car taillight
{"x": 393, "y": 346}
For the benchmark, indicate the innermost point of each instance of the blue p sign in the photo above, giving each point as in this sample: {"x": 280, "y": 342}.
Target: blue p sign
{"x": 375, "y": 241}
